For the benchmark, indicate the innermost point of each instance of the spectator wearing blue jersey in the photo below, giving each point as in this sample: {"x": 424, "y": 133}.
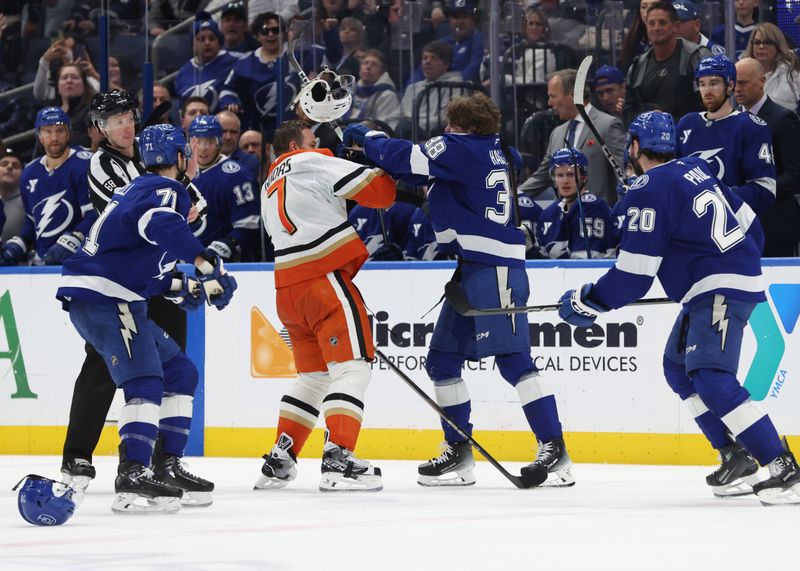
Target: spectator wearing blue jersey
{"x": 230, "y": 226}
{"x": 55, "y": 194}
{"x": 688, "y": 27}
{"x": 130, "y": 255}
{"x": 231, "y": 130}
{"x": 375, "y": 97}
{"x": 205, "y": 74}
{"x": 234, "y": 27}
{"x": 737, "y": 146}
{"x": 577, "y": 223}
{"x": 469, "y": 203}
{"x": 742, "y": 28}
{"x": 703, "y": 243}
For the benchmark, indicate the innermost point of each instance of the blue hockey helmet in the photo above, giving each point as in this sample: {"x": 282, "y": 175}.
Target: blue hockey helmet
{"x": 40, "y": 505}
{"x": 51, "y": 116}
{"x": 720, "y": 65}
{"x": 655, "y": 132}
{"x": 568, "y": 157}
{"x": 159, "y": 145}
{"x": 205, "y": 126}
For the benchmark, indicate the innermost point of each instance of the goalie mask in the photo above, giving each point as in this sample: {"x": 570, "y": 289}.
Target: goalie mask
{"x": 327, "y": 97}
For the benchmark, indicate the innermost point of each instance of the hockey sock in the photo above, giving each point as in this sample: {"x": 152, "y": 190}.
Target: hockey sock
{"x": 713, "y": 428}
{"x": 539, "y": 406}
{"x": 453, "y": 397}
{"x": 175, "y": 422}
{"x": 299, "y": 408}
{"x": 343, "y": 406}
{"x": 138, "y": 419}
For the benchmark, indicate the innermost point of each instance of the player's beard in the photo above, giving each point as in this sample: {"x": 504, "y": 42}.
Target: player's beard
{"x": 716, "y": 105}
{"x": 637, "y": 168}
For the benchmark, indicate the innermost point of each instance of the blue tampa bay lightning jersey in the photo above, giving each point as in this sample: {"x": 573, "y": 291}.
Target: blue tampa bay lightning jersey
{"x": 562, "y": 235}
{"x": 367, "y": 222}
{"x": 529, "y": 214}
{"x": 132, "y": 247}
{"x": 468, "y": 193}
{"x": 691, "y": 231}
{"x": 252, "y": 84}
{"x": 421, "y": 244}
{"x": 205, "y": 81}
{"x": 56, "y": 201}
{"x": 233, "y": 203}
{"x": 737, "y": 148}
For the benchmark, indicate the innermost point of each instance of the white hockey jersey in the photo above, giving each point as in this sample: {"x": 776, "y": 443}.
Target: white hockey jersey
{"x": 304, "y": 211}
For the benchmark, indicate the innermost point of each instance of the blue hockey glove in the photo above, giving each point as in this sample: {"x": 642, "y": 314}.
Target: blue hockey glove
{"x": 217, "y": 283}
{"x": 185, "y": 291}
{"x": 226, "y": 248}
{"x": 577, "y": 309}
{"x": 13, "y": 251}
{"x": 356, "y": 134}
{"x": 388, "y": 253}
{"x": 66, "y": 245}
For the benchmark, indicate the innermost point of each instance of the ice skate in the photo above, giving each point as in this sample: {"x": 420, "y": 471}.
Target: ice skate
{"x": 139, "y": 492}
{"x": 343, "y": 472}
{"x": 552, "y": 467}
{"x": 77, "y": 474}
{"x": 197, "y": 492}
{"x": 737, "y": 474}
{"x": 783, "y": 484}
{"x": 453, "y": 467}
{"x": 280, "y": 465}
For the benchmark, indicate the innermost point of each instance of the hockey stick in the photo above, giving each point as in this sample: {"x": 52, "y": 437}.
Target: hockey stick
{"x": 519, "y": 481}
{"x": 456, "y": 297}
{"x": 577, "y": 97}
{"x": 332, "y": 124}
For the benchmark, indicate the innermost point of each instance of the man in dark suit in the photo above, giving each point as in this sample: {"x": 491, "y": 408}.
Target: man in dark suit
{"x": 781, "y": 221}
{"x": 574, "y": 133}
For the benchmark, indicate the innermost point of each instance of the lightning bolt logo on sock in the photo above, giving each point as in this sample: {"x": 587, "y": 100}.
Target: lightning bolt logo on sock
{"x": 128, "y": 329}
{"x": 719, "y": 319}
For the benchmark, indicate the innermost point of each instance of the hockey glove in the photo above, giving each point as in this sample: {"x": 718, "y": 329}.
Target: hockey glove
{"x": 390, "y": 252}
{"x": 13, "y": 251}
{"x": 185, "y": 291}
{"x": 356, "y": 135}
{"x": 66, "y": 245}
{"x": 218, "y": 285}
{"x": 527, "y": 229}
{"x": 226, "y": 248}
{"x": 577, "y": 309}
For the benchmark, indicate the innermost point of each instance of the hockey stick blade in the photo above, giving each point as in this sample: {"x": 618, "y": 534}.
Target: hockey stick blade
{"x": 518, "y": 481}
{"x": 577, "y": 97}
{"x": 456, "y": 297}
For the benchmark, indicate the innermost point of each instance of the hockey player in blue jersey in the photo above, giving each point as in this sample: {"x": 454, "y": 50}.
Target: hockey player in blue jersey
{"x": 129, "y": 255}
{"x": 529, "y": 215}
{"x": 471, "y": 212}
{"x": 736, "y": 145}
{"x": 567, "y": 228}
{"x": 368, "y": 224}
{"x": 55, "y": 195}
{"x": 703, "y": 243}
{"x": 230, "y": 227}
{"x": 421, "y": 244}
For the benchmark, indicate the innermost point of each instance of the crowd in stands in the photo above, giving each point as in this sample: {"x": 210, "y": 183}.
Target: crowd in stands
{"x": 228, "y": 79}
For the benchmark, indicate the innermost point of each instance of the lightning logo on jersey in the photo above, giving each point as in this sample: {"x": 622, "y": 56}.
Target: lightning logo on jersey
{"x": 47, "y": 209}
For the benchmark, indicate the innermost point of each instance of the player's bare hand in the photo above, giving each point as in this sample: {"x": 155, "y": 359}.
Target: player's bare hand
{"x": 57, "y": 50}
{"x": 620, "y": 103}
{"x": 191, "y": 164}
{"x": 193, "y": 214}
{"x": 330, "y": 24}
{"x": 233, "y": 108}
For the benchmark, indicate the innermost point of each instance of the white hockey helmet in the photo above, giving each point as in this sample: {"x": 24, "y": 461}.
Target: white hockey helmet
{"x": 327, "y": 97}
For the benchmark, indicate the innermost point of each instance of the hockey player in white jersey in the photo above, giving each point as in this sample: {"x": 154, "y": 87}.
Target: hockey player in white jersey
{"x": 703, "y": 244}
{"x": 736, "y": 145}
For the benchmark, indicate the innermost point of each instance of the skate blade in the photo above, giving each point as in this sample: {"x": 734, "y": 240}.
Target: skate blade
{"x": 196, "y": 499}
{"x": 465, "y": 477}
{"x": 737, "y": 488}
{"x": 134, "y": 504}
{"x": 778, "y": 497}
{"x": 336, "y": 482}
{"x": 562, "y": 478}
{"x": 267, "y": 483}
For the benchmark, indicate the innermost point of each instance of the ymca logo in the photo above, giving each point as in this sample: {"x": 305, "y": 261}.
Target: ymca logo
{"x": 770, "y": 342}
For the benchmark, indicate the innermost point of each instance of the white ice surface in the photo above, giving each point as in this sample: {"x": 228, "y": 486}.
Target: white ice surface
{"x": 615, "y": 518}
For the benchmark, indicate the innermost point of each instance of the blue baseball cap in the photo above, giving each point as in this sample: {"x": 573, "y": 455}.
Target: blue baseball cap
{"x": 608, "y": 74}
{"x": 686, "y": 10}
{"x": 462, "y": 6}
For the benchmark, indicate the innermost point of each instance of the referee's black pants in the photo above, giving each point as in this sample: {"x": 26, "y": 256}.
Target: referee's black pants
{"x": 94, "y": 389}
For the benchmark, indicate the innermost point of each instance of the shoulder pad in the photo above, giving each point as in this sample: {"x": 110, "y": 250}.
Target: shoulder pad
{"x": 640, "y": 182}
{"x": 231, "y": 167}
{"x": 85, "y": 155}
{"x": 757, "y": 120}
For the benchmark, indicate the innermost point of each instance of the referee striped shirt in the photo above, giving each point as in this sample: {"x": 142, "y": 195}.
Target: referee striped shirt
{"x": 109, "y": 170}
